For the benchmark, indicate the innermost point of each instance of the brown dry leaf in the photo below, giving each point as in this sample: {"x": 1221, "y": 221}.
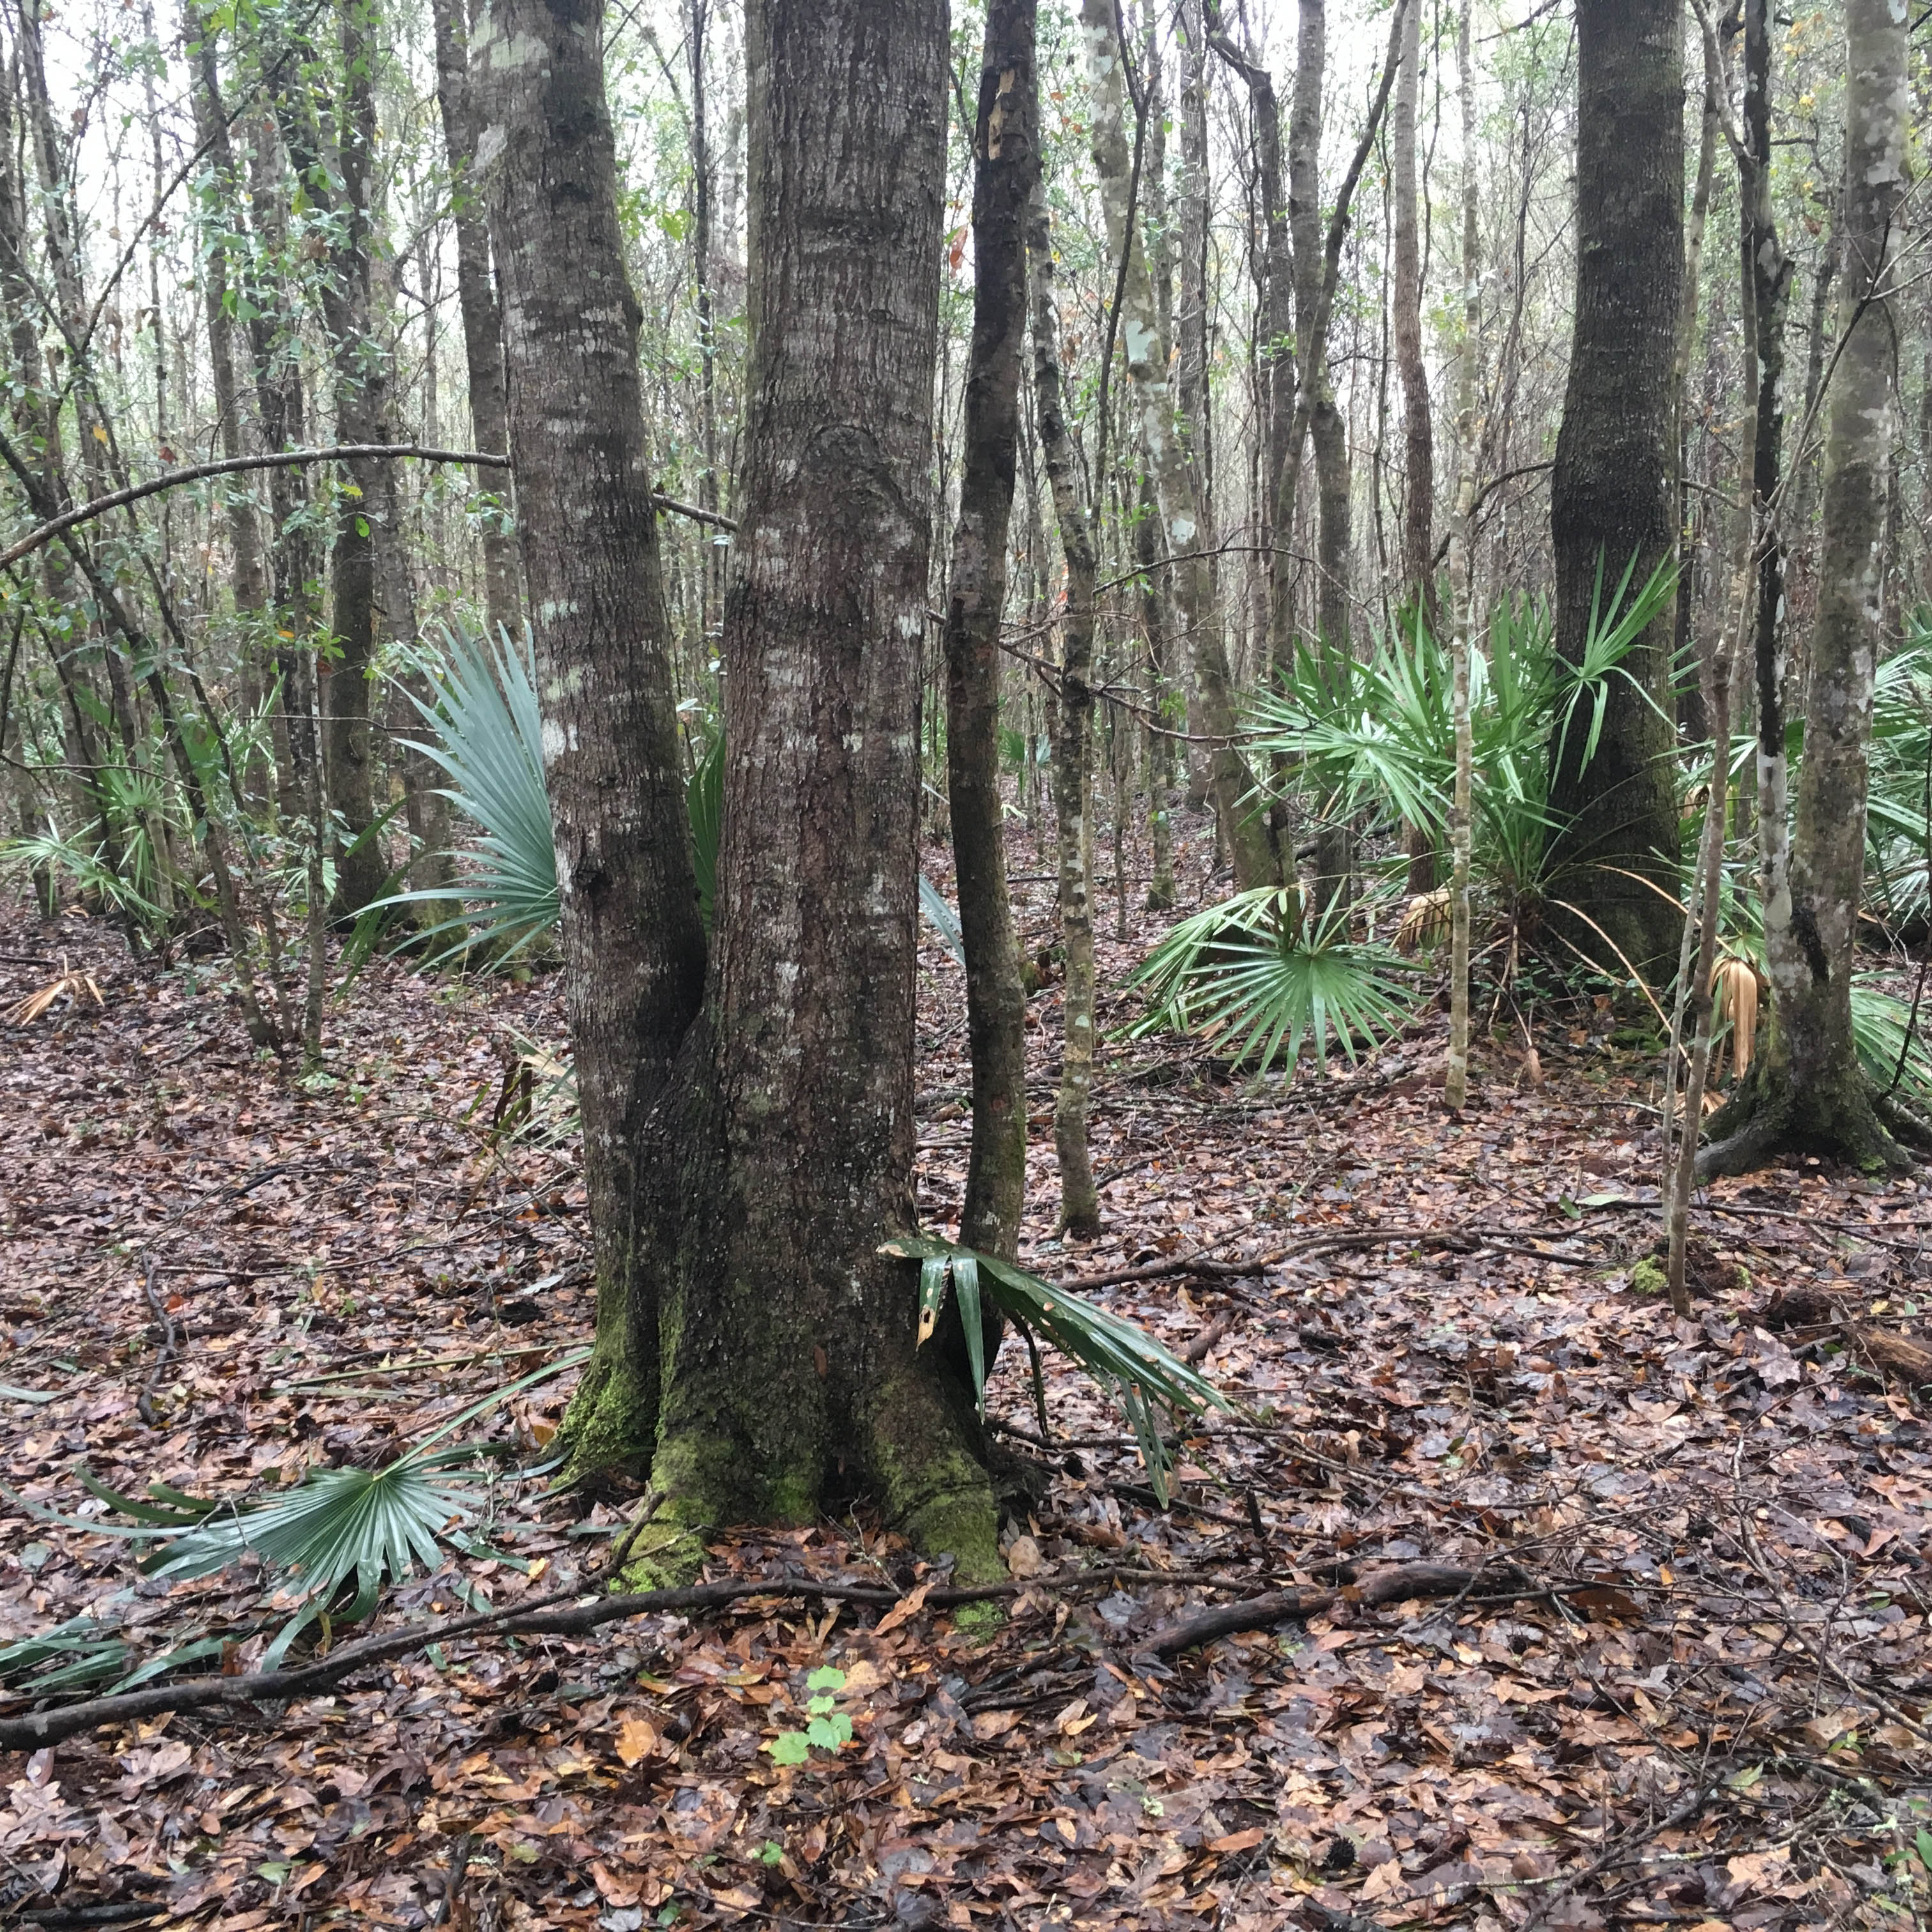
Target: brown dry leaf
{"x": 638, "y": 1738}
{"x": 908, "y": 1607}
{"x": 991, "y": 1724}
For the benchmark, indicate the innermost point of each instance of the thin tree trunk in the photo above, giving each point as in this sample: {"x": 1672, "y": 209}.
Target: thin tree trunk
{"x": 476, "y": 299}
{"x": 1278, "y": 458}
{"x": 634, "y": 948}
{"x": 1006, "y": 167}
{"x": 1418, "y": 521}
{"x": 1462, "y": 584}
{"x": 1613, "y": 499}
{"x": 1318, "y": 416}
{"x": 1072, "y": 752}
{"x": 249, "y": 580}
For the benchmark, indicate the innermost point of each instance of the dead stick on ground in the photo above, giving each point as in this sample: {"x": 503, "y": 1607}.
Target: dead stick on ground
{"x": 39, "y": 1728}
{"x": 1274, "y": 1607}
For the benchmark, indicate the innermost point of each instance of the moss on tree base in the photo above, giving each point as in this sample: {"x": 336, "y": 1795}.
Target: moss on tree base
{"x": 609, "y": 1422}
{"x": 1771, "y": 1114}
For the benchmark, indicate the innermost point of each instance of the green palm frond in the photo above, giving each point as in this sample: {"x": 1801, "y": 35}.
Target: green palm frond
{"x": 336, "y": 1527}
{"x": 1122, "y": 1358}
{"x": 1248, "y": 975}
{"x": 486, "y": 736}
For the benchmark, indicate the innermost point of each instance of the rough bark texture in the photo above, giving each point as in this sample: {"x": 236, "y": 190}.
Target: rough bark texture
{"x": 1169, "y": 459}
{"x": 1766, "y": 294}
{"x": 1806, "y": 1090}
{"x": 633, "y": 946}
{"x": 1072, "y": 756}
{"x": 1612, "y": 497}
{"x": 476, "y": 298}
{"x": 1006, "y": 165}
{"x": 789, "y": 1370}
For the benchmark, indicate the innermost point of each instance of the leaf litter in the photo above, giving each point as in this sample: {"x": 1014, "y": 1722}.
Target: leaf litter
{"x": 1683, "y": 1680}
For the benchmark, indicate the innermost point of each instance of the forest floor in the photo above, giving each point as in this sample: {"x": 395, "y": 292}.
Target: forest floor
{"x": 1690, "y": 1684}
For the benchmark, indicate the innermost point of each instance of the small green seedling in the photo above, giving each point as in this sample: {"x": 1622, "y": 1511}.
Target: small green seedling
{"x": 828, "y": 1727}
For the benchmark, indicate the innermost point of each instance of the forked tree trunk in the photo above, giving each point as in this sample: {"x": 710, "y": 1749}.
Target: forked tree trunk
{"x": 1806, "y": 1090}
{"x": 1006, "y": 165}
{"x": 791, "y": 1377}
{"x": 1168, "y": 456}
{"x": 1072, "y": 747}
{"x": 634, "y": 949}
{"x": 1613, "y": 499}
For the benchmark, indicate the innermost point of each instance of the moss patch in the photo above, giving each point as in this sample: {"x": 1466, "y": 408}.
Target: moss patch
{"x": 1649, "y": 1277}
{"x": 608, "y": 1424}
{"x": 927, "y": 1482}
{"x": 664, "y": 1556}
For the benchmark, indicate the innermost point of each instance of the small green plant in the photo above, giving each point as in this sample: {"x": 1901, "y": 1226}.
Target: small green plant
{"x": 827, "y": 1727}
{"x": 1252, "y": 976}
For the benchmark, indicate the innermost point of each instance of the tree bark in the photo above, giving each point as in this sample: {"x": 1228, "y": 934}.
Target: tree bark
{"x": 634, "y": 948}
{"x": 1278, "y": 458}
{"x": 1006, "y": 167}
{"x": 476, "y": 300}
{"x": 1072, "y": 752}
{"x": 1611, "y": 501}
{"x": 1462, "y": 584}
{"x": 1419, "y": 477}
{"x": 791, "y": 1377}
{"x": 1168, "y": 457}
{"x": 1806, "y": 1090}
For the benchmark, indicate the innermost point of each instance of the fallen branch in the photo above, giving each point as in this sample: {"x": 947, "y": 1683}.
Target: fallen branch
{"x": 1274, "y": 1607}
{"x": 1889, "y": 1350}
{"x": 292, "y": 459}
{"x": 544, "y": 1617}
{"x": 1510, "y": 1240}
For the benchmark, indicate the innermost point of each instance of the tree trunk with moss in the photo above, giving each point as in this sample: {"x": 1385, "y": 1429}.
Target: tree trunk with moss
{"x": 1806, "y": 1090}
{"x": 634, "y": 949}
{"x": 782, "y": 1157}
{"x": 1007, "y": 165}
{"x": 1613, "y": 502}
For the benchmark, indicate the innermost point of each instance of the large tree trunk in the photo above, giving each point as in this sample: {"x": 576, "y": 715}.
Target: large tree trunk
{"x": 791, "y": 1377}
{"x": 1806, "y": 1090}
{"x": 1168, "y": 457}
{"x": 1072, "y": 751}
{"x": 1612, "y": 499}
{"x": 634, "y": 948}
{"x": 1007, "y": 165}
{"x": 476, "y": 298}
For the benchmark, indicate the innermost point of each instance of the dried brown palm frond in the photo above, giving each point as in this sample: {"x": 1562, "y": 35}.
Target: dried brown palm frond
{"x": 24, "y": 1013}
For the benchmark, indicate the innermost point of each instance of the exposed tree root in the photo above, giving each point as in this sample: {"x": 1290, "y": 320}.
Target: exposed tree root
{"x": 1771, "y": 1114}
